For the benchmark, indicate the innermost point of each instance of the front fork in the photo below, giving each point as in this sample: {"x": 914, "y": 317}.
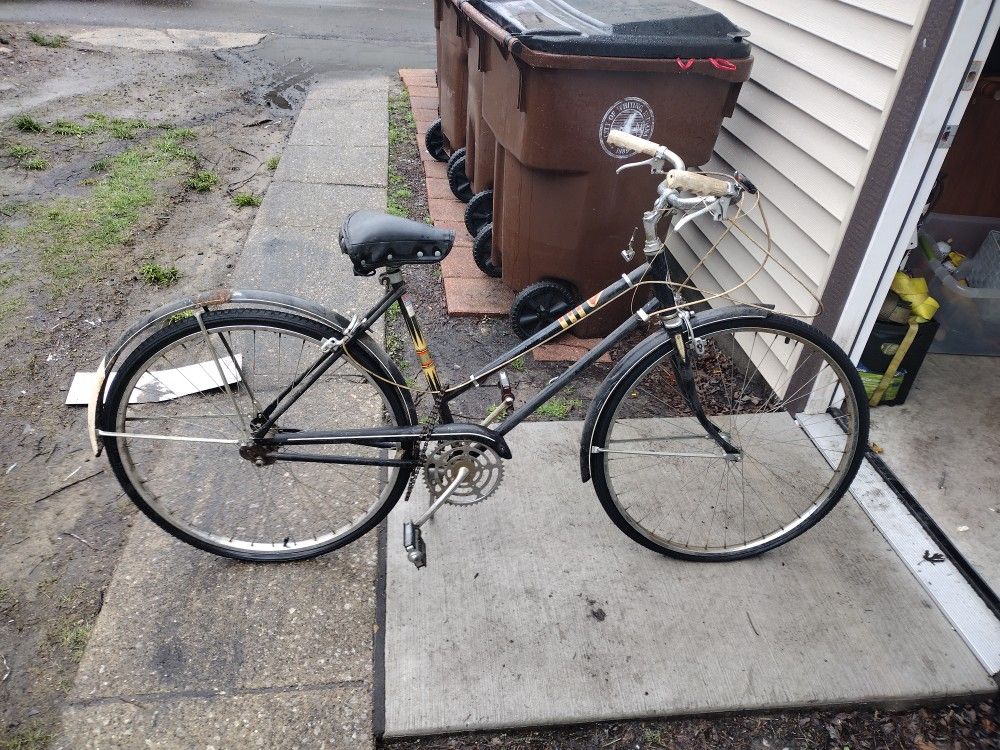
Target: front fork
{"x": 687, "y": 349}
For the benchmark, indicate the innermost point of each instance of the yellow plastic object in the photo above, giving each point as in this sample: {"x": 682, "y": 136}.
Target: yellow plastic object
{"x": 913, "y": 291}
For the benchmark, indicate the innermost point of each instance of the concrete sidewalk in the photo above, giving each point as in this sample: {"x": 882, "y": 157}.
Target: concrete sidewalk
{"x": 534, "y": 609}
{"x": 191, "y": 650}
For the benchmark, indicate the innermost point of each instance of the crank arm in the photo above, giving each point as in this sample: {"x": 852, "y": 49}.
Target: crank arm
{"x": 442, "y": 498}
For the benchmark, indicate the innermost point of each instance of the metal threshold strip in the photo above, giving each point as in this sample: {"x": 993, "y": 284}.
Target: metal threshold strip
{"x": 965, "y": 600}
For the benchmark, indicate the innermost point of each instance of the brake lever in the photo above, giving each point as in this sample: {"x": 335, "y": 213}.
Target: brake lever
{"x": 655, "y": 164}
{"x": 688, "y": 218}
{"x": 718, "y": 208}
{"x": 633, "y": 165}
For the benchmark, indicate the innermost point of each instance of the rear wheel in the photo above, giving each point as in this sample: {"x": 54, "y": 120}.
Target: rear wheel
{"x": 436, "y": 143}
{"x": 458, "y": 180}
{"x": 180, "y": 407}
{"x": 672, "y": 488}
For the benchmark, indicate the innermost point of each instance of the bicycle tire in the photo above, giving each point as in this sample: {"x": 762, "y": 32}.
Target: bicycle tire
{"x": 396, "y": 407}
{"x": 623, "y": 387}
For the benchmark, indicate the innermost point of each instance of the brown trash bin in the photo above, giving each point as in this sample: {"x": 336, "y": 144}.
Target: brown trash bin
{"x": 551, "y": 96}
{"x": 452, "y": 31}
{"x": 480, "y": 145}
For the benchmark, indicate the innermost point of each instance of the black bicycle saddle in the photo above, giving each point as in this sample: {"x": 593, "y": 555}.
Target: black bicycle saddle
{"x": 374, "y": 240}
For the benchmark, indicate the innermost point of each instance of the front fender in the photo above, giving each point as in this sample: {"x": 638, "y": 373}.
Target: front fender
{"x": 206, "y": 301}
{"x": 625, "y": 365}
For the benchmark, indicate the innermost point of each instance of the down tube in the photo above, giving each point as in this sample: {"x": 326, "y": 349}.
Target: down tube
{"x": 626, "y": 282}
{"x": 586, "y": 361}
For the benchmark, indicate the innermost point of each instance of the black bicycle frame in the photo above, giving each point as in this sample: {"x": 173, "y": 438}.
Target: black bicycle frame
{"x": 388, "y": 437}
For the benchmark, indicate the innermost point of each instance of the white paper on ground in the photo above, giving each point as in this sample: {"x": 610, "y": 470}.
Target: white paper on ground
{"x": 163, "y": 385}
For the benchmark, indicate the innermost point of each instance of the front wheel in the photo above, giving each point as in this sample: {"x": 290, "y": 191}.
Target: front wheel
{"x": 180, "y": 408}
{"x": 670, "y": 486}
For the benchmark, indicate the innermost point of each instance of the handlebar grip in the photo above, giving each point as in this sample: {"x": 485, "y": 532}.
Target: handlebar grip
{"x": 632, "y": 142}
{"x": 696, "y": 183}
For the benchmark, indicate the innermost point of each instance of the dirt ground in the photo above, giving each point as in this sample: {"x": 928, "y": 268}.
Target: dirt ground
{"x": 956, "y": 727}
{"x": 460, "y": 345}
{"x": 116, "y": 194}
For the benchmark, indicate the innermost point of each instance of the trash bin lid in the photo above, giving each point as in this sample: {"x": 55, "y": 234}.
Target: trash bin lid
{"x": 619, "y": 28}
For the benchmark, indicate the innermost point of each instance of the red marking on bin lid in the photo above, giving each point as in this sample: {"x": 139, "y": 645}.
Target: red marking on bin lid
{"x": 722, "y": 64}
{"x": 685, "y": 64}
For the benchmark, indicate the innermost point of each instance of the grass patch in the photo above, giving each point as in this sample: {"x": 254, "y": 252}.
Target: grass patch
{"x": 397, "y": 194}
{"x": 396, "y": 350}
{"x": 20, "y": 151}
{"x": 29, "y": 738}
{"x": 392, "y": 313}
{"x": 173, "y": 147}
{"x": 28, "y": 124}
{"x": 402, "y": 136}
{"x": 101, "y": 165}
{"x": 181, "y": 134}
{"x": 7, "y": 279}
{"x": 154, "y": 273}
{"x": 272, "y": 163}
{"x": 9, "y": 307}
{"x": 401, "y": 122}
{"x": 68, "y": 127}
{"x": 125, "y": 130}
{"x": 558, "y": 408}
{"x": 35, "y": 164}
{"x": 72, "y": 235}
{"x": 73, "y": 637}
{"x": 519, "y": 364}
{"x": 53, "y": 42}
{"x": 202, "y": 182}
{"x": 247, "y": 199}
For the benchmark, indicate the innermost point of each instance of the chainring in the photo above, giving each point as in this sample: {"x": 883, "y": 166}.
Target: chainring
{"x": 484, "y": 465}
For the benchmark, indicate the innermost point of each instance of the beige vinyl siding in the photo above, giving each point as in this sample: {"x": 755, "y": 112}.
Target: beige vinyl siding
{"x": 805, "y": 126}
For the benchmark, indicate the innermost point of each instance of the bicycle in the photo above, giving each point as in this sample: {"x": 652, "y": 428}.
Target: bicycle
{"x": 260, "y": 426}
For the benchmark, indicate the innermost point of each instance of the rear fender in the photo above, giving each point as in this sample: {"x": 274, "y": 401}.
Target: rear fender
{"x": 225, "y": 298}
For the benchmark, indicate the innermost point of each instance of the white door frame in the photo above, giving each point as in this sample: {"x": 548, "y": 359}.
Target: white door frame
{"x": 972, "y": 36}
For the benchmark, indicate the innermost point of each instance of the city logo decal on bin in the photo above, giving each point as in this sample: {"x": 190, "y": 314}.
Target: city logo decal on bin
{"x": 630, "y": 115}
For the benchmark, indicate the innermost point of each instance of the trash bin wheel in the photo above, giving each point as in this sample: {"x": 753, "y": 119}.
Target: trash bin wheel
{"x": 435, "y": 141}
{"x": 458, "y": 180}
{"x": 479, "y": 212}
{"x": 482, "y": 251}
{"x": 539, "y": 305}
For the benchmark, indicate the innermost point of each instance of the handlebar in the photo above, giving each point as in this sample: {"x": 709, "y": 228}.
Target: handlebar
{"x": 678, "y": 178}
{"x": 633, "y": 143}
{"x": 699, "y": 184}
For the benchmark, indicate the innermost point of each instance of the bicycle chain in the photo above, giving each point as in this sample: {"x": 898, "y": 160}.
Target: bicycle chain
{"x": 424, "y": 439}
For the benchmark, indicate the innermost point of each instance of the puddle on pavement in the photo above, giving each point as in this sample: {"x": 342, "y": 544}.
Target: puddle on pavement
{"x": 289, "y": 86}
{"x": 301, "y": 61}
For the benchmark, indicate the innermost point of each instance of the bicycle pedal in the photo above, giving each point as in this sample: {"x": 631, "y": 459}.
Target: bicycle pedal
{"x": 413, "y": 542}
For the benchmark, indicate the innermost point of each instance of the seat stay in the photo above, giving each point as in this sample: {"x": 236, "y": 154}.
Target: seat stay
{"x": 327, "y": 358}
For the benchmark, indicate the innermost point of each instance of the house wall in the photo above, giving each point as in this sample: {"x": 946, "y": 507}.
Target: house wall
{"x": 805, "y": 129}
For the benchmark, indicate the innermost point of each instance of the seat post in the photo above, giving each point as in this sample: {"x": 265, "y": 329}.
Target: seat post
{"x": 393, "y": 279}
